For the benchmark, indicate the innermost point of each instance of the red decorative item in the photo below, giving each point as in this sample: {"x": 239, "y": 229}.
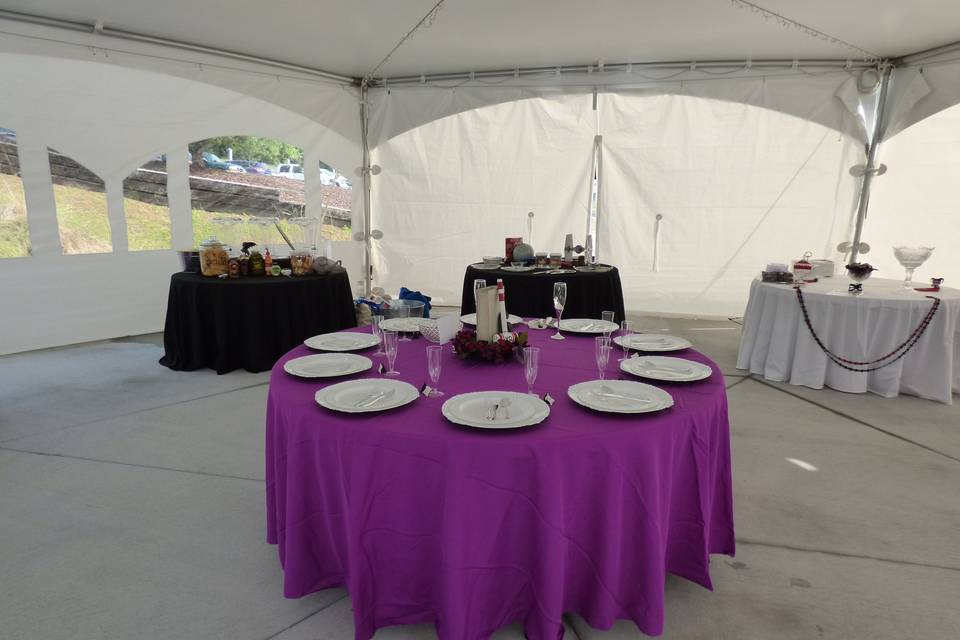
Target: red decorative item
{"x": 466, "y": 346}
{"x": 509, "y": 245}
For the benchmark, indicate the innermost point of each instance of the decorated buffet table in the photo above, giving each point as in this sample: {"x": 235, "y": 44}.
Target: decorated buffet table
{"x": 887, "y": 339}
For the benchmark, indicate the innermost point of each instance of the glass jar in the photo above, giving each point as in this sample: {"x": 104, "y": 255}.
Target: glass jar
{"x": 301, "y": 262}
{"x": 555, "y": 260}
{"x": 214, "y": 258}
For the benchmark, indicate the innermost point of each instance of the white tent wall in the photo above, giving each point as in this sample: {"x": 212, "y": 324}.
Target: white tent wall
{"x": 111, "y": 118}
{"x": 463, "y": 180}
{"x": 915, "y": 202}
{"x": 451, "y": 190}
{"x": 737, "y": 186}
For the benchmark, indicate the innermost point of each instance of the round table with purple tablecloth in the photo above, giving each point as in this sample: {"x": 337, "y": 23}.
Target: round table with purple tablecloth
{"x": 422, "y": 520}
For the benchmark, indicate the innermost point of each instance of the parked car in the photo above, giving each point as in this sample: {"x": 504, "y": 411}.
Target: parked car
{"x": 251, "y": 166}
{"x": 212, "y": 161}
{"x": 291, "y": 171}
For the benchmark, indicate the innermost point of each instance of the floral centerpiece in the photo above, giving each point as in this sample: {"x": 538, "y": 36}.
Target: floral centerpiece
{"x": 466, "y": 345}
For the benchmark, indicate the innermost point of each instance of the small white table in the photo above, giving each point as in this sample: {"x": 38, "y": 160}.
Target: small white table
{"x": 777, "y": 344}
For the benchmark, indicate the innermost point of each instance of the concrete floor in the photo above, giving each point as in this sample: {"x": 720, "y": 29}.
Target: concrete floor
{"x": 131, "y": 506}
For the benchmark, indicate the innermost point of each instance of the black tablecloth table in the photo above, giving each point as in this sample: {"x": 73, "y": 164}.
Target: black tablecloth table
{"x": 248, "y": 323}
{"x": 530, "y": 293}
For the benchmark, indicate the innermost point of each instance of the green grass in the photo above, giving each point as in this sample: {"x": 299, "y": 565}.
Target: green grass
{"x": 85, "y": 228}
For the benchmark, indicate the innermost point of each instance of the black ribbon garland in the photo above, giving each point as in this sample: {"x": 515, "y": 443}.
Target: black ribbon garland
{"x": 904, "y": 346}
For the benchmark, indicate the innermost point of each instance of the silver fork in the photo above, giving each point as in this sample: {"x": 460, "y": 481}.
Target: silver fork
{"x": 492, "y": 412}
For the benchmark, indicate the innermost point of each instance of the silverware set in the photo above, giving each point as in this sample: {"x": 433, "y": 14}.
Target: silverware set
{"x": 374, "y": 398}
{"x": 494, "y": 411}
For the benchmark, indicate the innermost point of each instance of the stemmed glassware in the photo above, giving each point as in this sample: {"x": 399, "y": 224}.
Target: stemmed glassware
{"x": 390, "y": 347}
{"x": 910, "y": 258}
{"x": 479, "y": 283}
{"x": 626, "y": 330}
{"x": 607, "y": 317}
{"x": 531, "y": 364}
{"x": 378, "y": 332}
{"x": 434, "y": 364}
{"x": 603, "y": 350}
{"x": 559, "y": 301}
{"x": 404, "y": 313}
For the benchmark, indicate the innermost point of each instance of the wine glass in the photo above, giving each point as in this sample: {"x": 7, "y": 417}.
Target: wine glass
{"x": 479, "y": 283}
{"x": 603, "y": 349}
{"x": 559, "y": 300}
{"x": 390, "y": 347}
{"x": 404, "y": 312}
{"x": 434, "y": 364}
{"x": 607, "y": 317}
{"x": 375, "y": 321}
{"x": 531, "y": 364}
{"x": 910, "y": 258}
{"x": 626, "y": 330}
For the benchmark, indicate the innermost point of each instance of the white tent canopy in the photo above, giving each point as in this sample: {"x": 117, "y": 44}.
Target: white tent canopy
{"x": 737, "y": 125}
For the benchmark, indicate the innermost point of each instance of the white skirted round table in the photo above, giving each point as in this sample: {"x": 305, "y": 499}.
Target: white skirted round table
{"x": 778, "y": 345}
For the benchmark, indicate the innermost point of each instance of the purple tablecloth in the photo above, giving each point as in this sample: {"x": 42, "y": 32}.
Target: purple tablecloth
{"x": 422, "y": 520}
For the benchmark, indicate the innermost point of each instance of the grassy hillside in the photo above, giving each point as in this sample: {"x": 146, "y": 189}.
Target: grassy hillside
{"x": 84, "y": 228}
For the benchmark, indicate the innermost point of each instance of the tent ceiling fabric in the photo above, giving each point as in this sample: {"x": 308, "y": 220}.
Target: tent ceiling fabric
{"x": 350, "y": 37}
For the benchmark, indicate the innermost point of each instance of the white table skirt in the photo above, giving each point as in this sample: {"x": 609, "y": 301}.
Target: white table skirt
{"x": 777, "y": 344}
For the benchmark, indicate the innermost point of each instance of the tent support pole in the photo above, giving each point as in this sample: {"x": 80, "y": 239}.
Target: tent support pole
{"x": 365, "y": 170}
{"x": 879, "y": 127}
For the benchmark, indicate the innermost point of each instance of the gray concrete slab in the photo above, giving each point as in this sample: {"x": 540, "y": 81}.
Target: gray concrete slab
{"x": 94, "y": 550}
{"x": 336, "y": 623}
{"x": 771, "y": 593}
{"x": 220, "y": 434}
{"x": 926, "y": 422}
{"x": 866, "y": 493}
{"x": 48, "y": 390}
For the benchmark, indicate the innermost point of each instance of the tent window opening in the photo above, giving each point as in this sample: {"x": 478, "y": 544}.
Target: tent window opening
{"x": 81, "y": 202}
{"x": 14, "y": 234}
{"x": 145, "y": 206}
{"x": 243, "y": 187}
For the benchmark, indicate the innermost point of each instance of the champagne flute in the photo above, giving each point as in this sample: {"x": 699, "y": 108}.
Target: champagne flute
{"x": 390, "y": 346}
{"x": 559, "y": 300}
{"x": 479, "y": 283}
{"x": 626, "y": 330}
{"x": 434, "y": 364}
{"x": 404, "y": 312}
{"x": 607, "y": 317}
{"x": 603, "y": 349}
{"x": 531, "y": 363}
{"x": 378, "y": 332}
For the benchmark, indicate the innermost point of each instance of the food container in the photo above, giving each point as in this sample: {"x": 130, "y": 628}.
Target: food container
{"x": 542, "y": 260}
{"x": 555, "y": 260}
{"x": 301, "y": 263}
{"x": 492, "y": 261}
{"x": 214, "y": 259}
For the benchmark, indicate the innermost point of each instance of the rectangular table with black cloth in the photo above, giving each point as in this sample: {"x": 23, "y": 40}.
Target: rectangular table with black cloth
{"x": 530, "y": 293}
{"x": 247, "y": 323}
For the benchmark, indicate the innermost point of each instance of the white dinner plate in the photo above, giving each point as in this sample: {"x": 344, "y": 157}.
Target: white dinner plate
{"x": 485, "y": 267}
{"x": 342, "y": 341}
{"x": 471, "y": 318}
{"x": 587, "y": 325}
{"x": 598, "y": 268}
{"x": 408, "y": 325}
{"x": 654, "y": 342}
{"x": 367, "y": 395}
{"x": 519, "y": 269}
{"x": 474, "y": 409}
{"x": 327, "y": 365}
{"x": 666, "y": 368}
{"x": 620, "y": 396}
